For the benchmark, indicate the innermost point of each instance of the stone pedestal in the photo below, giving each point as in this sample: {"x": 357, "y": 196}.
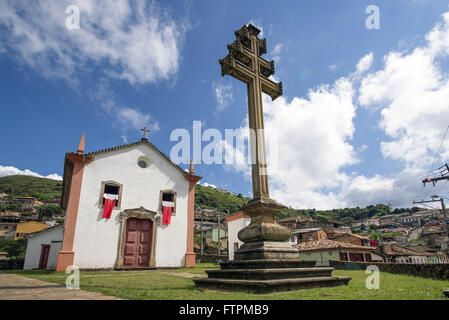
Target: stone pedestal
{"x": 265, "y": 263}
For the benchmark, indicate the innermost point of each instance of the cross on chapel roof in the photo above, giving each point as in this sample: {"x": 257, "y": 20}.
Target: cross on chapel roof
{"x": 145, "y": 131}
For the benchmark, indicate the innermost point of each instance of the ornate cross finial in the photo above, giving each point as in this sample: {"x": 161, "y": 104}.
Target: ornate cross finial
{"x": 145, "y": 131}
{"x": 245, "y": 63}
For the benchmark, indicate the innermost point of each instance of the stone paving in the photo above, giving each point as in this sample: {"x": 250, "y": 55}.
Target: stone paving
{"x": 14, "y": 287}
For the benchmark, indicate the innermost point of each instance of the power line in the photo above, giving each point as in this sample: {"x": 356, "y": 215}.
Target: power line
{"x": 441, "y": 144}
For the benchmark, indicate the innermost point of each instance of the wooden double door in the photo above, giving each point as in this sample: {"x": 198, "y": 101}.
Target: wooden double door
{"x": 138, "y": 243}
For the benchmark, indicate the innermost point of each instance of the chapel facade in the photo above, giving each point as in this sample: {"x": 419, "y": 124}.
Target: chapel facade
{"x": 127, "y": 207}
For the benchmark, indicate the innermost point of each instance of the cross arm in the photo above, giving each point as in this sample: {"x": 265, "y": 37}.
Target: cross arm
{"x": 273, "y": 89}
{"x": 232, "y": 67}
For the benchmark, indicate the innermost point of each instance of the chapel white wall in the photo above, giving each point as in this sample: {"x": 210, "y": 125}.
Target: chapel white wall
{"x": 233, "y": 229}
{"x": 34, "y": 246}
{"x": 96, "y": 240}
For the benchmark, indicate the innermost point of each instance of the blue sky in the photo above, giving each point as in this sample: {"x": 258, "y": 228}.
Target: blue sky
{"x": 352, "y": 132}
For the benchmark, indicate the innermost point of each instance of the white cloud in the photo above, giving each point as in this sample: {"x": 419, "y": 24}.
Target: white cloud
{"x": 123, "y": 116}
{"x": 258, "y": 26}
{"x": 313, "y": 135}
{"x": 412, "y": 91}
{"x": 276, "y": 52}
{"x": 205, "y": 184}
{"x": 223, "y": 93}
{"x": 365, "y": 63}
{"x": 132, "y": 40}
{"x": 10, "y": 171}
{"x": 333, "y": 67}
{"x": 136, "y": 119}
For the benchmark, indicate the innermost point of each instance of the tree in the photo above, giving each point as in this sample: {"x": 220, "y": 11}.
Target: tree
{"x": 49, "y": 210}
{"x": 16, "y": 249}
{"x": 13, "y": 207}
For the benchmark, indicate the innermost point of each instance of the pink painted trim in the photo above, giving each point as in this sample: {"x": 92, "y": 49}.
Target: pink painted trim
{"x": 190, "y": 254}
{"x": 66, "y": 256}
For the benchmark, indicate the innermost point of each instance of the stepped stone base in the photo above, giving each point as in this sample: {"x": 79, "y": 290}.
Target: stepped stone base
{"x": 265, "y": 262}
{"x": 267, "y": 286}
{"x": 265, "y": 276}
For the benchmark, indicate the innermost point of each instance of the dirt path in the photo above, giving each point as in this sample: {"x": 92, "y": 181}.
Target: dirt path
{"x": 14, "y": 287}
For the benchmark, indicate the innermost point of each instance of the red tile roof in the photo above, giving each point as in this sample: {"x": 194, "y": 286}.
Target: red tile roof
{"x": 338, "y": 235}
{"x": 323, "y": 245}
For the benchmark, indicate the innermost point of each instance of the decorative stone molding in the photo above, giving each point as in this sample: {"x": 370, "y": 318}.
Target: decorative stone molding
{"x": 138, "y": 213}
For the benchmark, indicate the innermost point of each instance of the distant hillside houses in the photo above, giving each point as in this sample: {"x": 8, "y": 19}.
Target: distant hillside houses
{"x": 324, "y": 241}
{"x": 25, "y": 220}
{"x": 220, "y": 189}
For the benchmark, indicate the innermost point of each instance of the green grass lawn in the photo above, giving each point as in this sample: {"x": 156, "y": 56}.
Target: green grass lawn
{"x": 164, "y": 284}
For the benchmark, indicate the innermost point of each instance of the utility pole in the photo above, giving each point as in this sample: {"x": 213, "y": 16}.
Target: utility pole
{"x": 443, "y": 207}
{"x": 202, "y": 246}
{"x": 444, "y": 175}
{"x": 434, "y": 199}
{"x": 219, "y": 242}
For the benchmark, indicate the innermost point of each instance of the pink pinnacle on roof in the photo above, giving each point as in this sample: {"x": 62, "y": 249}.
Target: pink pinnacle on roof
{"x": 192, "y": 167}
{"x": 80, "y": 149}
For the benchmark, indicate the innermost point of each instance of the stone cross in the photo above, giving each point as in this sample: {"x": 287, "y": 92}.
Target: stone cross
{"x": 145, "y": 131}
{"x": 244, "y": 62}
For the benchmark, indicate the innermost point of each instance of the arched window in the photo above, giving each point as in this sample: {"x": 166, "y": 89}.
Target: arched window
{"x": 111, "y": 189}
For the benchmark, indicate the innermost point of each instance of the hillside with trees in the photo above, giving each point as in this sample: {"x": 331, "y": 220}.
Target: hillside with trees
{"x": 206, "y": 197}
{"x": 346, "y": 215}
{"x": 27, "y": 186}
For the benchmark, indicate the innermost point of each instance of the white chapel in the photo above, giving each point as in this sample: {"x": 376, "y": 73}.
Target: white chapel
{"x": 126, "y": 207}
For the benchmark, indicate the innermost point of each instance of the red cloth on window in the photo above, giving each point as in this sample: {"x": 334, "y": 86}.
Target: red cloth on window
{"x": 109, "y": 203}
{"x": 167, "y": 211}
{"x": 167, "y": 215}
{"x": 107, "y": 208}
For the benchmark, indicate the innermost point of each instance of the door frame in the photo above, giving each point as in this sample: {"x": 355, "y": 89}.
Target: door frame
{"x": 41, "y": 259}
{"x": 138, "y": 213}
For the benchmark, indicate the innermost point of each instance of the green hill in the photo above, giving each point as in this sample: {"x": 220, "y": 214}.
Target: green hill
{"x": 27, "y": 186}
{"x": 206, "y": 197}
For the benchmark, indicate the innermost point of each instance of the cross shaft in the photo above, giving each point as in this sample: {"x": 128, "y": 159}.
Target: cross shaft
{"x": 244, "y": 62}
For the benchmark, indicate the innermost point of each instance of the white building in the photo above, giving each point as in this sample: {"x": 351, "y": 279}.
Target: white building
{"x": 43, "y": 247}
{"x": 236, "y": 222}
{"x": 140, "y": 183}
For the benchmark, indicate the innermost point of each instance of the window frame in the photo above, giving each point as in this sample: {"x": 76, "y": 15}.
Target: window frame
{"x": 174, "y": 200}
{"x": 116, "y": 184}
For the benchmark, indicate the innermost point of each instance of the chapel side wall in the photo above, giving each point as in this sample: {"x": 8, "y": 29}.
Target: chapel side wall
{"x": 34, "y": 246}
{"x": 96, "y": 239}
{"x": 233, "y": 229}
